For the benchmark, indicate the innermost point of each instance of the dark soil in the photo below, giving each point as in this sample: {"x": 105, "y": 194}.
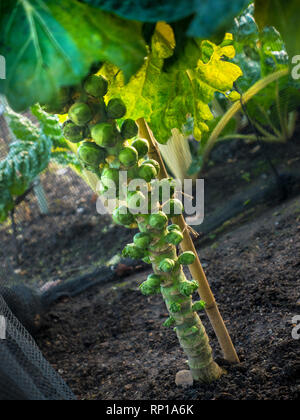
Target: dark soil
{"x": 109, "y": 343}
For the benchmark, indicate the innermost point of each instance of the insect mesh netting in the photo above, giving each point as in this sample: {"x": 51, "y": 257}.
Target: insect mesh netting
{"x": 24, "y": 372}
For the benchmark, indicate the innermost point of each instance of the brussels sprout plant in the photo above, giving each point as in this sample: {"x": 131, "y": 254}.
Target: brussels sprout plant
{"x": 123, "y": 85}
{"x": 106, "y": 150}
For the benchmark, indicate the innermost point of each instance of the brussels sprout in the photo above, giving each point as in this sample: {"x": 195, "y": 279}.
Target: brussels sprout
{"x": 166, "y": 185}
{"x": 147, "y": 172}
{"x": 132, "y": 251}
{"x": 60, "y": 105}
{"x": 153, "y": 204}
{"x": 173, "y": 207}
{"x": 132, "y": 173}
{"x": 142, "y": 240}
{"x": 142, "y": 147}
{"x": 187, "y": 288}
{"x": 73, "y": 132}
{"x": 123, "y": 216}
{"x": 110, "y": 175}
{"x": 96, "y": 86}
{"x": 154, "y": 163}
{"x": 173, "y": 227}
{"x": 175, "y": 307}
{"x": 129, "y": 129}
{"x": 136, "y": 200}
{"x": 91, "y": 154}
{"x": 175, "y": 237}
{"x": 167, "y": 265}
{"x": 151, "y": 286}
{"x": 199, "y": 306}
{"x": 187, "y": 258}
{"x": 105, "y": 135}
{"x": 99, "y": 111}
{"x": 154, "y": 280}
{"x": 158, "y": 221}
{"x": 128, "y": 156}
{"x": 80, "y": 113}
{"x": 147, "y": 260}
{"x": 116, "y": 109}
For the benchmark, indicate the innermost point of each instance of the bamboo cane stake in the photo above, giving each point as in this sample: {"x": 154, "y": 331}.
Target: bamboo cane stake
{"x": 196, "y": 269}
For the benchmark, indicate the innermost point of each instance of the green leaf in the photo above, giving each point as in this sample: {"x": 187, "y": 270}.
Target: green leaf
{"x": 27, "y": 157}
{"x": 206, "y": 18}
{"x": 259, "y": 53}
{"x": 51, "y": 44}
{"x": 165, "y": 99}
{"x": 284, "y": 15}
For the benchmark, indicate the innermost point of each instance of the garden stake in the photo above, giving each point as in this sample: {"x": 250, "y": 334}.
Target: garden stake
{"x": 196, "y": 268}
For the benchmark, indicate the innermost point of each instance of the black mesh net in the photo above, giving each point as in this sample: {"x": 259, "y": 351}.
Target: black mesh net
{"x": 24, "y": 372}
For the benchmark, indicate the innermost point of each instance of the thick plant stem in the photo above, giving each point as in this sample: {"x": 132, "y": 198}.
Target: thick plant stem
{"x": 177, "y": 292}
{"x": 196, "y": 268}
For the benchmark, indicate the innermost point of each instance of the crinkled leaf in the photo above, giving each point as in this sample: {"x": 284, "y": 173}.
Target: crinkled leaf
{"x": 49, "y": 44}
{"x": 165, "y": 99}
{"x": 207, "y": 17}
{"x": 284, "y": 15}
{"x": 259, "y": 53}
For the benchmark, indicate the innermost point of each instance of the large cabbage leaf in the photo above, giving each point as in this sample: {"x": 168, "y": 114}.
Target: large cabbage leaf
{"x": 48, "y": 44}
{"x": 207, "y": 16}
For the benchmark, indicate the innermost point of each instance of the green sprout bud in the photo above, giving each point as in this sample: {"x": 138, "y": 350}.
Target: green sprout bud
{"x": 153, "y": 204}
{"x": 60, "y": 105}
{"x": 142, "y": 147}
{"x": 123, "y": 216}
{"x": 175, "y": 237}
{"x": 133, "y": 252}
{"x": 80, "y": 113}
{"x": 158, "y": 220}
{"x": 110, "y": 175}
{"x": 73, "y": 132}
{"x": 105, "y": 135}
{"x": 187, "y": 288}
{"x": 169, "y": 322}
{"x": 147, "y": 290}
{"x": 147, "y": 172}
{"x": 91, "y": 154}
{"x": 175, "y": 307}
{"x": 173, "y": 227}
{"x": 128, "y": 156}
{"x": 152, "y": 285}
{"x": 199, "y": 306}
{"x": 136, "y": 201}
{"x": 99, "y": 111}
{"x": 154, "y": 280}
{"x": 116, "y": 109}
{"x": 129, "y": 129}
{"x": 147, "y": 260}
{"x": 173, "y": 208}
{"x": 142, "y": 240}
{"x": 96, "y": 86}
{"x": 187, "y": 258}
{"x": 154, "y": 163}
{"x": 166, "y": 189}
{"x": 167, "y": 265}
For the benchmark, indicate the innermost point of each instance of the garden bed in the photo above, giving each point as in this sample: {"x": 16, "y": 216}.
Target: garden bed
{"x": 109, "y": 343}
